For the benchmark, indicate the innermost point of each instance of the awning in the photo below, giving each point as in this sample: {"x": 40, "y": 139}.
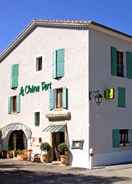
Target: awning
{"x": 54, "y": 128}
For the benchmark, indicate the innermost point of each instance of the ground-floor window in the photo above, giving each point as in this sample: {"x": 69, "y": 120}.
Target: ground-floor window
{"x": 121, "y": 137}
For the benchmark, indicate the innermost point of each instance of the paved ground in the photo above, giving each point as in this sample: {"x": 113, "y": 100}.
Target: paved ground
{"x": 22, "y": 172}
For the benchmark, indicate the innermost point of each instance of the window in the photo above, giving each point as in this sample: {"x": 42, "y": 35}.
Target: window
{"x": 117, "y": 64}
{"x": 14, "y": 104}
{"x": 40, "y": 140}
{"x": 121, "y": 137}
{"x": 77, "y": 144}
{"x": 124, "y": 137}
{"x": 58, "y": 98}
{"x": 120, "y": 66}
{"x": 37, "y": 118}
{"x": 38, "y": 63}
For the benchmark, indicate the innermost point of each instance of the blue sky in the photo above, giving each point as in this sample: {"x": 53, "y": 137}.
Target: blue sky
{"x": 16, "y": 14}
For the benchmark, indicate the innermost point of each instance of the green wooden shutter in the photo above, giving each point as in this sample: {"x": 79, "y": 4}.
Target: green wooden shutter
{"x": 65, "y": 98}
{"x": 14, "y": 75}
{"x": 115, "y": 138}
{"x": 130, "y": 136}
{"x": 10, "y": 105}
{"x": 18, "y": 103}
{"x": 113, "y": 61}
{"x": 54, "y": 65}
{"x": 129, "y": 64}
{"x": 60, "y": 63}
{"x": 52, "y": 99}
{"x": 121, "y": 97}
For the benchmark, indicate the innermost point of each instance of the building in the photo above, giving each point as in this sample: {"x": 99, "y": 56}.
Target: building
{"x": 68, "y": 81}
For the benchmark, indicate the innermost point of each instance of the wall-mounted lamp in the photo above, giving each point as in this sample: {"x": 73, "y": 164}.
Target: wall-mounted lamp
{"x": 107, "y": 94}
{"x": 98, "y": 97}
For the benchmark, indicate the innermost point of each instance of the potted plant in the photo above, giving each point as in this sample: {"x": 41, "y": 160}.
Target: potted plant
{"x": 10, "y": 154}
{"x": 45, "y": 148}
{"x": 18, "y": 154}
{"x": 63, "y": 151}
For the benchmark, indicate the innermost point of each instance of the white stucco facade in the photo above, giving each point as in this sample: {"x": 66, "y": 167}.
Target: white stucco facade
{"x": 87, "y": 67}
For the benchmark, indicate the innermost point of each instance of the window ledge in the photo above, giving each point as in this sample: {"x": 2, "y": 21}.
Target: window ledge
{"x": 59, "y": 115}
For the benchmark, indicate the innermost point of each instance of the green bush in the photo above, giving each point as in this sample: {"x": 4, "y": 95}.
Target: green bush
{"x": 62, "y": 148}
{"x": 45, "y": 146}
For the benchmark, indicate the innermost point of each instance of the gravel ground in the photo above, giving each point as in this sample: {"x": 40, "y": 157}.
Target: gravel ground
{"x": 22, "y": 172}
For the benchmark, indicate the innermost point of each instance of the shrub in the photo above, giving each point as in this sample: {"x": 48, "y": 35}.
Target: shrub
{"x": 62, "y": 148}
{"x": 45, "y": 146}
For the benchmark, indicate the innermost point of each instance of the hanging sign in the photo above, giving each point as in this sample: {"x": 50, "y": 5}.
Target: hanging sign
{"x": 29, "y": 89}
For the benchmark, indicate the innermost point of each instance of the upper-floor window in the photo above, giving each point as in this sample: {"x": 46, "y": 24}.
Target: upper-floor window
{"x": 117, "y": 62}
{"x": 120, "y": 65}
{"x": 58, "y": 98}
{"x": 39, "y": 63}
{"x": 13, "y": 104}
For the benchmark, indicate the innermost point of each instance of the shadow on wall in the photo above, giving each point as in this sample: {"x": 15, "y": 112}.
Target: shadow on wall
{"x": 24, "y": 177}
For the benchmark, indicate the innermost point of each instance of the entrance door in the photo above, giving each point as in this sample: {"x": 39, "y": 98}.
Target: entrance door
{"x": 17, "y": 140}
{"x": 57, "y": 138}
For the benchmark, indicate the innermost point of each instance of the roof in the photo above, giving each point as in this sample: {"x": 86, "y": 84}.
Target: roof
{"x": 68, "y": 24}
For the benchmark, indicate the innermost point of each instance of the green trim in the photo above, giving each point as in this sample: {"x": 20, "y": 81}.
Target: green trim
{"x": 18, "y": 104}
{"x": 121, "y": 97}
{"x": 65, "y": 98}
{"x": 14, "y": 76}
{"x": 115, "y": 138}
{"x": 52, "y": 99}
{"x": 60, "y": 63}
{"x": 113, "y": 61}
{"x": 129, "y": 64}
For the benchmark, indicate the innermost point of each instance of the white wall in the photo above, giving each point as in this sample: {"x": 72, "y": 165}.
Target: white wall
{"x": 42, "y": 42}
{"x": 107, "y": 116}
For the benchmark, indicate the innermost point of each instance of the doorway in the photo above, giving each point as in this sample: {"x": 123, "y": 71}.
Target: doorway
{"x": 17, "y": 140}
{"x": 57, "y": 138}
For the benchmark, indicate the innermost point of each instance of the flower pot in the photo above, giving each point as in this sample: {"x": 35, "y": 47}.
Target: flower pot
{"x": 19, "y": 157}
{"x": 45, "y": 158}
{"x": 64, "y": 159}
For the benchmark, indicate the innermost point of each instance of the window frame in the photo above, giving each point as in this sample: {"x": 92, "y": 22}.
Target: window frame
{"x": 124, "y": 137}
{"x": 37, "y": 118}
{"x": 120, "y": 63}
{"x": 39, "y": 63}
{"x": 59, "y": 98}
{"x": 14, "y": 104}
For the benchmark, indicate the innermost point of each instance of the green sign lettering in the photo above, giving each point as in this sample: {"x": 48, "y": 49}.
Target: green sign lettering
{"x": 34, "y": 88}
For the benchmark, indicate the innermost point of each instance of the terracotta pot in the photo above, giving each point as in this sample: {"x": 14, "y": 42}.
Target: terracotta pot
{"x": 19, "y": 157}
{"x": 25, "y": 155}
{"x": 64, "y": 159}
